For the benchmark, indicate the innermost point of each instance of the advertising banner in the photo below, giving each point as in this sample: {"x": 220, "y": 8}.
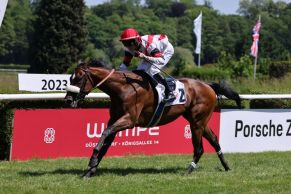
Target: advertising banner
{"x": 43, "y": 82}
{"x": 255, "y": 130}
{"x": 52, "y": 133}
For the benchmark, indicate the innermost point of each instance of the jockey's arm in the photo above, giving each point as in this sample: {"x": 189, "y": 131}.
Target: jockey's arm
{"x": 127, "y": 57}
{"x": 156, "y": 57}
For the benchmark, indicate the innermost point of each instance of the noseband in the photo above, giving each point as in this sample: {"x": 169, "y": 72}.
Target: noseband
{"x": 84, "y": 79}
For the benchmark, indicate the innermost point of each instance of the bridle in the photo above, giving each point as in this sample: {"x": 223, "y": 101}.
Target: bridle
{"x": 84, "y": 78}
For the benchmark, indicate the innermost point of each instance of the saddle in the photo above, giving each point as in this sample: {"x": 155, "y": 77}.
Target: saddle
{"x": 159, "y": 91}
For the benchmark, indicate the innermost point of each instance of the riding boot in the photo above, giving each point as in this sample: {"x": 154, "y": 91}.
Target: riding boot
{"x": 169, "y": 95}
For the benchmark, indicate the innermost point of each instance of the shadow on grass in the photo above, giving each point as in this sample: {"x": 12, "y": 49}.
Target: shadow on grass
{"x": 102, "y": 171}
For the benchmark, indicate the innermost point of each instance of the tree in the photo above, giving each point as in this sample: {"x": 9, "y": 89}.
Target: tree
{"x": 178, "y": 9}
{"x": 14, "y": 34}
{"x": 160, "y": 7}
{"x": 22, "y": 19}
{"x": 181, "y": 60}
{"x": 60, "y": 35}
{"x": 7, "y": 35}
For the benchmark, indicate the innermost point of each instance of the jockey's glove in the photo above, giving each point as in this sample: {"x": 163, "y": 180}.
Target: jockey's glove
{"x": 122, "y": 67}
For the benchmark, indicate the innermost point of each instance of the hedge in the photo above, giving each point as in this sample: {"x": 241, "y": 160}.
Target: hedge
{"x": 13, "y": 66}
{"x": 279, "y": 69}
{"x": 270, "y": 103}
{"x": 205, "y": 73}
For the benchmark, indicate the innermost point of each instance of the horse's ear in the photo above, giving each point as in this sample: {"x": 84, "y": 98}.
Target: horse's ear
{"x": 81, "y": 64}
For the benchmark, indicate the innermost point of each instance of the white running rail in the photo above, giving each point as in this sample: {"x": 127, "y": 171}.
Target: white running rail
{"x": 60, "y": 96}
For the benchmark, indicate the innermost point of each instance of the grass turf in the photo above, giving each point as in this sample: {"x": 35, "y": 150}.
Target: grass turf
{"x": 268, "y": 172}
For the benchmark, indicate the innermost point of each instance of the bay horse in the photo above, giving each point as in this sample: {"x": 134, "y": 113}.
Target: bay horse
{"x": 133, "y": 104}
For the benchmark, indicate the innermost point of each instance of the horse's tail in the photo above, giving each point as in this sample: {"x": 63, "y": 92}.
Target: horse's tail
{"x": 223, "y": 89}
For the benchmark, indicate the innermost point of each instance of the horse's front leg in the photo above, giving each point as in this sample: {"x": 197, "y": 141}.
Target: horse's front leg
{"x": 100, "y": 150}
{"x": 105, "y": 141}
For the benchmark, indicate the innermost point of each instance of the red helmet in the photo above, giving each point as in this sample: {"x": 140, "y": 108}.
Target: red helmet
{"x": 129, "y": 33}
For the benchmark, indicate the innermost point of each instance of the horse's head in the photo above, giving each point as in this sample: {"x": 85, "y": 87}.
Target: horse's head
{"x": 81, "y": 84}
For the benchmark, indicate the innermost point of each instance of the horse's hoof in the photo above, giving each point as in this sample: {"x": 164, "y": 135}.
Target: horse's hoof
{"x": 89, "y": 173}
{"x": 86, "y": 176}
{"x": 190, "y": 169}
{"x": 226, "y": 167}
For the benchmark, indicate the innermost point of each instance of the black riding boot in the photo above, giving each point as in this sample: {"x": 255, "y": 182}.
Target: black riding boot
{"x": 169, "y": 95}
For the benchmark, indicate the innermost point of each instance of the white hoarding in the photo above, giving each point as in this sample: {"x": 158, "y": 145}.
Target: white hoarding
{"x": 43, "y": 82}
{"x": 255, "y": 130}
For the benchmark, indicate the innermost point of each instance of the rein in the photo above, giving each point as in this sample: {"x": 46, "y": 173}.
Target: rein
{"x": 90, "y": 79}
{"x": 104, "y": 79}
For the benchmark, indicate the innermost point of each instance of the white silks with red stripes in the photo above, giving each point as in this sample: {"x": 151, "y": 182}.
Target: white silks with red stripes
{"x": 256, "y": 37}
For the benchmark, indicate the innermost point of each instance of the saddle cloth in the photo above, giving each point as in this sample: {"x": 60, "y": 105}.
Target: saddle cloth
{"x": 176, "y": 86}
{"x": 179, "y": 92}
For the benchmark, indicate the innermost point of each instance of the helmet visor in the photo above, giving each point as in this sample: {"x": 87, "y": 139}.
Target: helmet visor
{"x": 129, "y": 42}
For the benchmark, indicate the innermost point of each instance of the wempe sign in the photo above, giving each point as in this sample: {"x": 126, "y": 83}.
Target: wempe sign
{"x": 255, "y": 130}
{"x": 52, "y": 133}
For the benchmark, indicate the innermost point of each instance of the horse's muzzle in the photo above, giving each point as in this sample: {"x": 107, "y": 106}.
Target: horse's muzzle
{"x": 70, "y": 99}
{"x": 72, "y": 96}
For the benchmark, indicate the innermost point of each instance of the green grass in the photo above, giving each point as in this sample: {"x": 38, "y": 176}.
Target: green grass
{"x": 268, "y": 172}
{"x": 8, "y": 83}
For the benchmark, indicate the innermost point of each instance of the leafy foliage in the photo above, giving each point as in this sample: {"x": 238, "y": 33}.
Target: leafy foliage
{"x": 279, "y": 69}
{"x": 182, "y": 59}
{"x": 53, "y": 49}
{"x": 206, "y": 74}
{"x": 15, "y": 32}
{"x": 241, "y": 68}
{"x": 60, "y": 35}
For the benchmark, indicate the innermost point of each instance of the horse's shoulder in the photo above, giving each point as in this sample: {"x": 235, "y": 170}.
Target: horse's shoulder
{"x": 190, "y": 81}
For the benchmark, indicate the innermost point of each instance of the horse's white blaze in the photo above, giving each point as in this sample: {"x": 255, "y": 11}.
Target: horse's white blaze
{"x": 73, "y": 89}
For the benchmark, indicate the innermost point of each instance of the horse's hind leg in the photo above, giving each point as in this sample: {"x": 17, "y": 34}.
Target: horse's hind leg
{"x": 211, "y": 137}
{"x": 197, "y": 145}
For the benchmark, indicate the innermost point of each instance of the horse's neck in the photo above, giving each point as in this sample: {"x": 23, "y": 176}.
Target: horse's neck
{"x": 112, "y": 85}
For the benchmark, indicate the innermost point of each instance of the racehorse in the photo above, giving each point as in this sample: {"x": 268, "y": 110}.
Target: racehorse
{"x": 133, "y": 104}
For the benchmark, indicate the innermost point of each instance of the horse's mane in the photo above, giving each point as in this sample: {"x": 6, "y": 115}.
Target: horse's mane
{"x": 97, "y": 63}
{"x": 94, "y": 63}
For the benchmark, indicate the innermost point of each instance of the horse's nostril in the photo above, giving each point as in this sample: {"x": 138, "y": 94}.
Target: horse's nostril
{"x": 74, "y": 104}
{"x": 69, "y": 99}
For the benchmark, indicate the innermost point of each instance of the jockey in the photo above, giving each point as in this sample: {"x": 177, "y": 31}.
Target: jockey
{"x": 155, "y": 52}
